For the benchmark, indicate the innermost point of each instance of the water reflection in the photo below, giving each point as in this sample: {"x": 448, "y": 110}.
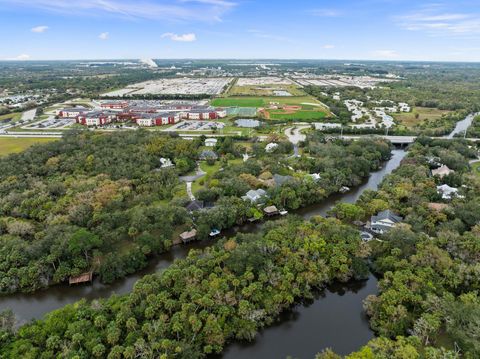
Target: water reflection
{"x": 35, "y": 305}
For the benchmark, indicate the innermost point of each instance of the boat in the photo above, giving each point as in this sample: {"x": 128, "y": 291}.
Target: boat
{"x": 214, "y": 233}
{"x": 283, "y": 212}
{"x": 344, "y": 189}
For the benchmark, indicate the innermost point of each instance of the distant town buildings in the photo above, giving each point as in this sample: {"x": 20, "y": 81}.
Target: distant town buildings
{"x": 144, "y": 113}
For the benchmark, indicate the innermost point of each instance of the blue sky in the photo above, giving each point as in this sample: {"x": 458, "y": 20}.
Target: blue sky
{"x": 301, "y": 29}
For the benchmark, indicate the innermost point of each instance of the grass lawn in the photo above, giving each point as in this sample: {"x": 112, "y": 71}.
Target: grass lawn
{"x": 299, "y": 115}
{"x": 264, "y": 90}
{"x": 307, "y": 102}
{"x": 476, "y": 168}
{"x": 409, "y": 119}
{"x": 209, "y": 170}
{"x": 15, "y": 145}
{"x": 10, "y": 117}
{"x": 238, "y": 102}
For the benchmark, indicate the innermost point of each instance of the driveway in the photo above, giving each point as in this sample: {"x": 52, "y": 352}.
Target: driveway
{"x": 198, "y": 174}
{"x": 295, "y": 135}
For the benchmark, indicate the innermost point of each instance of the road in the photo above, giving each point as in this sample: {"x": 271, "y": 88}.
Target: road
{"x": 189, "y": 191}
{"x": 295, "y": 136}
{"x": 198, "y": 174}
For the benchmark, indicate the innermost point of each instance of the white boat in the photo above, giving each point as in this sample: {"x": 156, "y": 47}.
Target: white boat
{"x": 214, "y": 233}
{"x": 344, "y": 189}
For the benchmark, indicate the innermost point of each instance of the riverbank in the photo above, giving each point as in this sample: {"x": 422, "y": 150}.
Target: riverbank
{"x": 334, "y": 319}
{"x": 27, "y": 306}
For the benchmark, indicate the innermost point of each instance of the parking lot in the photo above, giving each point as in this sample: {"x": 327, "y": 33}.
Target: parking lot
{"x": 51, "y": 123}
{"x": 196, "y": 126}
{"x": 175, "y": 86}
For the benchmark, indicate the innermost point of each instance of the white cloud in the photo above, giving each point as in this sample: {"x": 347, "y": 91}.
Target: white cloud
{"x": 172, "y": 10}
{"x": 326, "y": 12}
{"x": 328, "y": 46}
{"x": 39, "y": 29}
{"x": 385, "y": 54}
{"x": 182, "y": 38}
{"x": 104, "y": 36}
{"x": 22, "y": 57}
{"x": 438, "y": 21}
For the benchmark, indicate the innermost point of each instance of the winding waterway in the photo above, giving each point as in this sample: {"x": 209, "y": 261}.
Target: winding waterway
{"x": 462, "y": 126}
{"x": 334, "y": 319}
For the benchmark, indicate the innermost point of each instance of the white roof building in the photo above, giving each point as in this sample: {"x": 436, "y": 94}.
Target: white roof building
{"x": 211, "y": 142}
{"x": 271, "y": 147}
{"x": 255, "y": 196}
{"x": 166, "y": 163}
{"x": 448, "y": 192}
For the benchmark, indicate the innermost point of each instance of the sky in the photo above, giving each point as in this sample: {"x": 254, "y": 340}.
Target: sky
{"x": 240, "y": 29}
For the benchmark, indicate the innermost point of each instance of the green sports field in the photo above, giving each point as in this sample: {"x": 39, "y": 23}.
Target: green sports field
{"x": 238, "y": 102}
{"x": 299, "y": 115}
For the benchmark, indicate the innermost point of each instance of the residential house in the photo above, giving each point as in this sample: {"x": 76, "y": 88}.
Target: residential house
{"x": 208, "y": 154}
{"x": 384, "y": 221}
{"x": 211, "y": 142}
{"x": 195, "y": 205}
{"x": 271, "y": 147}
{"x": 442, "y": 171}
{"x": 255, "y": 196}
{"x": 166, "y": 163}
{"x": 447, "y": 192}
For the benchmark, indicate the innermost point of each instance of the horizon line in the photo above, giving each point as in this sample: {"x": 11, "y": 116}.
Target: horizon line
{"x": 243, "y": 59}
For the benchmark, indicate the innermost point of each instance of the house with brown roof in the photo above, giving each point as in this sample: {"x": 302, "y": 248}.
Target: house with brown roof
{"x": 442, "y": 171}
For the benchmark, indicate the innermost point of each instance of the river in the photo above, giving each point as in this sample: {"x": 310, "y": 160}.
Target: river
{"x": 334, "y": 320}
{"x": 463, "y": 125}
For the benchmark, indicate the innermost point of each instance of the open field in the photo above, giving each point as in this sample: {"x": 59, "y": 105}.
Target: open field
{"x": 266, "y": 90}
{"x": 238, "y": 102}
{"x": 279, "y": 108}
{"x": 260, "y": 101}
{"x": 410, "y": 120}
{"x": 15, "y": 145}
{"x": 262, "y": 81}
{"x": 301, "y": 115}
{"x": 10, "y": 117}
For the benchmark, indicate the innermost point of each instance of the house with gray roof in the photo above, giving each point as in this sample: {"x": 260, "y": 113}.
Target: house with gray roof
{"x": 255, "y": 196}
{"x": 384, "y": 221}
{"x": 280, "y": 180}
{"x": 208, "y": 154}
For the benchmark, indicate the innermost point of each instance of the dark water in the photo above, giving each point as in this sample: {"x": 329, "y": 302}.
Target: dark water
{"x": 335, "y": 319}
{"x": 352, "y": 196}
{"x": 462, "y": 126}
{"x": 36, "y": 305}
